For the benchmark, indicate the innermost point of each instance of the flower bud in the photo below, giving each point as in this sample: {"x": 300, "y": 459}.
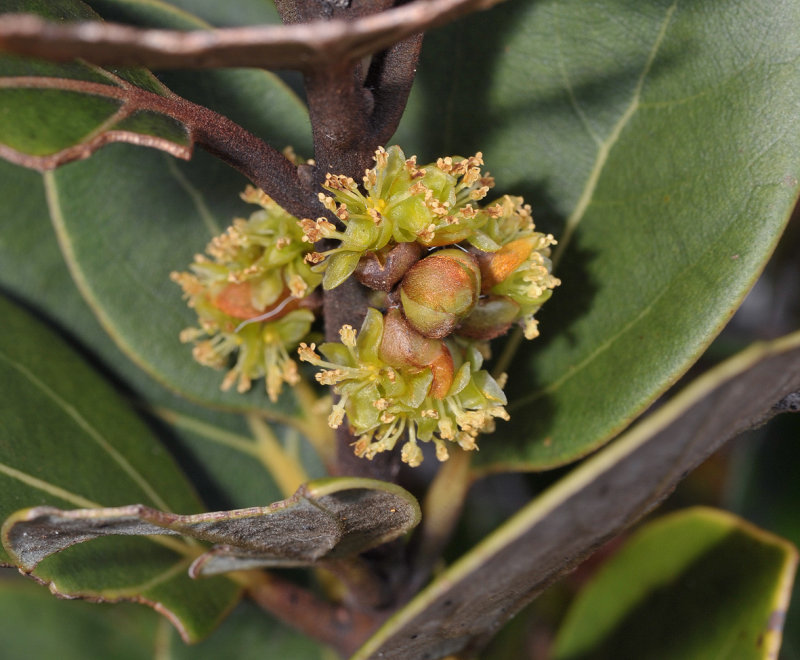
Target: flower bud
{"x": 382, "y": 269}
{"x": 497, "y": 266}
{"x": 403, "y": 347}
{"x": 439, "y": 291}
{"x": 236, "y": 300}
{"x": 490, "y": 318}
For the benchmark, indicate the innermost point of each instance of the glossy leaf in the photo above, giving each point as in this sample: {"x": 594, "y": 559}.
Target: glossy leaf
{"x": 465, "y": 605}
{"x": 331, "y": 518}
{"x": 677, "y": 589}
{"x": 660, "y": 143}
{"x": 68, "y": 440}
{"x": 55, "y": 113}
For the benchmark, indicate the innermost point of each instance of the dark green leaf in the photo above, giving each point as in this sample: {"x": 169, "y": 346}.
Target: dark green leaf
{"x": 158, "y": 220}
{"x": 660, "y": 143}
{"x": 35, "y": 625}
{"x": 331, "y": 518}
{"x": 55, "y": 113}
{"x": 466, "y": 604}
{"x": 699, "y": 583}
{"x": 250, "y": 634}
{"x": 68, "y": 440}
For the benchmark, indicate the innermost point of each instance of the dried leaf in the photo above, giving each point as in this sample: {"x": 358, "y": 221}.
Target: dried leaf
{"x": 329, "y": 518}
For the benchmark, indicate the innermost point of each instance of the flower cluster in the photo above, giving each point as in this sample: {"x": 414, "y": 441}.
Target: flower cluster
{"x": 449, "y": 274}
{"x": 402, "y": 203}
{"x": 253, "y": 297}
{"x": 394, "y": 386}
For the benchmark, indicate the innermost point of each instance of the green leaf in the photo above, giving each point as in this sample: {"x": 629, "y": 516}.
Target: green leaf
{"x": 215, "y": 448}
{"x": 239, "y": 12}
{"x": 250, "y": 634}
{"x": 68, "y": 440}
{"x": 763, "y": 490}
{"x": 163, "y": 212}
{"x": 56, "y": 113}
{"x": 156, "y": 223}
{"x": 152, "y": 195}
{"x": 694, "y": 584}
{"x": 660, "y": 143}
{"x": 33, "y": 624}
{"x": 460, "y": 610}
{"x": 331, "y": 518}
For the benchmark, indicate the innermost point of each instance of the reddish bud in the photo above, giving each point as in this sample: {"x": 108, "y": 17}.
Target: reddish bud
{"x": 236, "y": 300}
{"x": 404, "y": 348}
{"x": 439, "y": 291}
{"x": 497, "y": 266}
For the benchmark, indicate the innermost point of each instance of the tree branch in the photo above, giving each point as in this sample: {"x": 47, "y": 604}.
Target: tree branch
{"x": 390, "y": 78}
{"x": 262, "y": 164}
{"x": 341, "y": 628}
{"x": 300, "y": 46}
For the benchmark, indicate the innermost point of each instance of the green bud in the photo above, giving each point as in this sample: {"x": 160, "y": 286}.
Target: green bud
{"x": 439, "y": 291}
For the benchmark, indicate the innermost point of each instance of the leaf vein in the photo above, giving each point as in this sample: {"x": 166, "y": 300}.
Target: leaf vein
{"x": 605, "y": 147}
{"x": 46, "y": 487}
{"x": 90, "y": 430}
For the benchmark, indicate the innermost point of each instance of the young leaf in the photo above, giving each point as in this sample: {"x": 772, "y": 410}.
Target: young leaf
{"x": 331, "y": 518}
{"x": 660, "y": 144}
{"x": 677, "y": 589}
{"x": 461, "y": 609}
{"x": 68, "y": 440}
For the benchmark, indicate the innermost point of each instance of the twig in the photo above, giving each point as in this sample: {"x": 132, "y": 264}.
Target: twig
{"x": 301, "y": 46}
{"x": 341, "y": 628}
{"x": 262, "y": 164}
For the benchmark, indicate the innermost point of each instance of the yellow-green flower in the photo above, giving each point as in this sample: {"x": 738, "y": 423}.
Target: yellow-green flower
{"x": 520, "y": 268}
{"x": 433, "y": 205}
{"x": 386, "y": 403}
{"x": 252, "y": 295}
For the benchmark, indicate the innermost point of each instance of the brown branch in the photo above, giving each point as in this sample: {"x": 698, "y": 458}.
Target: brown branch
{"x": 342, "y": 628}
{"x": 390, "y": 78}
{"x": 262, "y": 164}
{"x": 301, "y": 46}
